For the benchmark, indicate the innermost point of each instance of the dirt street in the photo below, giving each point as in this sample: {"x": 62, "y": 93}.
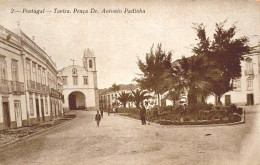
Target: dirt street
{"x": 120, "y": 140}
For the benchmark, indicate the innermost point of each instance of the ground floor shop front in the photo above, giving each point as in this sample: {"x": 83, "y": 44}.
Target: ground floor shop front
{"x": 28, "y": 109}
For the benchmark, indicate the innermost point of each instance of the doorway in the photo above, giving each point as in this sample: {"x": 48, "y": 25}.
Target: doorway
{"x": 18, "y": 113}
{"x": 250, "y": 99}
{"x": 227, "y": 100}
{"x": 37, "y": 110}
{"x": 6, "y": 115}
{"x": 76, "y": 100}
{"x": 42, "y": 109}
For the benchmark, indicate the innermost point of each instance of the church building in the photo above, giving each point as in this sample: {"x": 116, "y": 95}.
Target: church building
{"x": 80, "y": 87}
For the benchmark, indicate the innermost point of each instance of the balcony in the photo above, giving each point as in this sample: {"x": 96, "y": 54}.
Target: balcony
{"x": 5, "y": 87}
{"x": 47, "y": 90}
{"x": 38, "y": 87}
{"x": 17, "y": 87}
{"x": 14, "y": 87}
{"x": 43, "y": 87}
{"x": 31, "y": 86}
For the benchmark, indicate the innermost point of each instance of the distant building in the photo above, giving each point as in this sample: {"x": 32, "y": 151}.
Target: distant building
{"x": 108, "y": 97}
{"x": 80, "y": 88}
{"x": 28, "y": 82}
{"x": 247, "y": 87}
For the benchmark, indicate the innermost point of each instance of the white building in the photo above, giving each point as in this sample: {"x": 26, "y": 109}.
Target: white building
{"x": 247, "y": 87}
{"x": 28, "y": 82}
{"x": 80, "y": 88}
{"x": 108, "y": 97}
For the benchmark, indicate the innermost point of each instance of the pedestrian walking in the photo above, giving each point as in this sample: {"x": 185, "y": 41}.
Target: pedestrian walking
{"x": 101, "y": 112}
{"x": 143, "y": 114}
{"x": 98, "y": 118}
{"x": 108, "y": 111}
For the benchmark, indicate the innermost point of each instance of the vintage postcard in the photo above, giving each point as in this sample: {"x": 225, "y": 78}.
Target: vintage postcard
{"x": 129, "y": 82}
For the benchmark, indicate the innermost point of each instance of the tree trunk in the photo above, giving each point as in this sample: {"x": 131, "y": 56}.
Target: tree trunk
{"x": 159, "y": 102}
{"x": 137, "y": 105}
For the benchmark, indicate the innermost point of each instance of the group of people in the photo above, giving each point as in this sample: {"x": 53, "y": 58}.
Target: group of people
{"x": 143, "y": 113}
{"x": 114, "y": 110}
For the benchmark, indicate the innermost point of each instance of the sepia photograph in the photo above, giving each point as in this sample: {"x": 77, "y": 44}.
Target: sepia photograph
{"x": 130, "y": 82}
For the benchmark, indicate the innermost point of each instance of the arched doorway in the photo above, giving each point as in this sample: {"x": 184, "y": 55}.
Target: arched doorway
{"x": 76, "y": 100}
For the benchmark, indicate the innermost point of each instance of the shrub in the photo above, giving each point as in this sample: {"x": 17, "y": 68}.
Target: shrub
{"x": 199, "y": 106}
{"x": 217, "y": 107}
{"x": 239, "y": 111}
{"x": 234, "y": 118}
{"x": 233, "y": 107}
{"x": 229, "y": 110}
{"x": 186, "y": 118}
{"x": 167, "y": 108}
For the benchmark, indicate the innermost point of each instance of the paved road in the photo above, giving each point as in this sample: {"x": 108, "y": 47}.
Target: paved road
{"x": 121, "y": 140}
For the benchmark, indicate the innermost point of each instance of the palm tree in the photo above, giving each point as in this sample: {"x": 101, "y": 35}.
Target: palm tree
{"x": 195, "y": 74}
{"x": 124, "y": 98}
{"x": 139, "y": 96}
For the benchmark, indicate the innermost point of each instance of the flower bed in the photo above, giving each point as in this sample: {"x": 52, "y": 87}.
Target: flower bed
{"x": 197, "y": 115}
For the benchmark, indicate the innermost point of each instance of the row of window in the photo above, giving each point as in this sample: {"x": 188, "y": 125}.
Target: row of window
{"x": 108, "y": 97}
{"x": 75, "y": 80}
{"x": 14, "y": 68}
{"x": 38, "y": 74}
{"x": 249, "y": 84}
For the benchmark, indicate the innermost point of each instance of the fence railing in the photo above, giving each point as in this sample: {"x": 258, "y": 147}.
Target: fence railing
{"x": 17, "y": 87}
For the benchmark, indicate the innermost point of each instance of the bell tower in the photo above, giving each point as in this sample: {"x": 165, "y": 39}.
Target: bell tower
{"x": 89, "y": 61}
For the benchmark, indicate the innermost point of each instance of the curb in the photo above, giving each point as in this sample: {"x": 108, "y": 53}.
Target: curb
{"x": 129, "y": 118}
{"x": 6, "y": 145}
{"x": 208, "y": 125}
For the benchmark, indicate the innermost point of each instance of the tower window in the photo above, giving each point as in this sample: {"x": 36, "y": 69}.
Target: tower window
{"x": 90, "y": 63}
{"x": 74, "y": 72}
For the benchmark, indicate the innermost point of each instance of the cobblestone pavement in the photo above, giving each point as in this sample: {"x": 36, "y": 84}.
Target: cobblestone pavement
{"x": 120, "y": 140}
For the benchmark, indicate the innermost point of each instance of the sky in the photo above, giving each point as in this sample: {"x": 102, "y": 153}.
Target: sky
{"x": 117, "y": 39}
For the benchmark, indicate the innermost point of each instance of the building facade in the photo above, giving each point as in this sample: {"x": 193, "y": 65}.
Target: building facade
{"x": 28, "y": 82}
{"x": 108, "y": 97}
{"x": 80, "y": 88}
{"x": 246, "y": 88}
